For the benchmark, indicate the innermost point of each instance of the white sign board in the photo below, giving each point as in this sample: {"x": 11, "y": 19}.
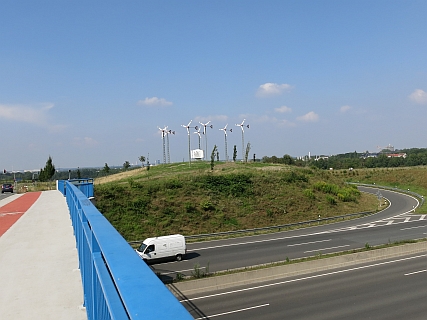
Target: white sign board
{"x": 197, "y": 154}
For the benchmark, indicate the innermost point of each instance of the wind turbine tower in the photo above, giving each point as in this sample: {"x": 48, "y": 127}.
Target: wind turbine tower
{"x": 198, "y": 133}
{"x": 243, "y": 137}
{"x": 188, "y": 133}
{"x": 163, "y": 131}
{"x": 205, "y": 125}
{"x": 225, "y": 140}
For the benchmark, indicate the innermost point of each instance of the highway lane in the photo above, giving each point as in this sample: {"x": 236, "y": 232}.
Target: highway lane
{"x": 248, "y": 251}
{"x": 5, "y": 195}
{"x": 388, "y": 289}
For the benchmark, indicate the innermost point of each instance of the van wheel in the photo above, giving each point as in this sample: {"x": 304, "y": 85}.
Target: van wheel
{"x": 178, "y": 257}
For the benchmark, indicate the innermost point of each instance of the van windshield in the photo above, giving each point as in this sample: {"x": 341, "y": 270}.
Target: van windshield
{"x": 142, "y": 247}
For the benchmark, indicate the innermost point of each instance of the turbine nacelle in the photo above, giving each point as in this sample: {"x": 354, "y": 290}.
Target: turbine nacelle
{"x": 242, "y": 126}
{"x": 225, "y": 129}
{"x": 163, "y": 131}
{"x": 187, "y": 127}
{"x": 205, "y": 125}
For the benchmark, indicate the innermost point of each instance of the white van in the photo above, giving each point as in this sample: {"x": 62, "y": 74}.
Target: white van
{"x": 163, "y": 247}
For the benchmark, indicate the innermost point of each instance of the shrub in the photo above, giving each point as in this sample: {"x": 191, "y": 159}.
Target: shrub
{"x": 207, "y": 205}
{"x": 309, "y": 194}
{"x": 331, "y": 200}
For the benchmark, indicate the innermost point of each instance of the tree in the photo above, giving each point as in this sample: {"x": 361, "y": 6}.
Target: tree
{"x": 214, "y": 152}
{"x": 126, "y": 165}
{"x": 106, "y": 168}
{"x": 142, "y": 159}
{"x": 248, "y": 148}
{"x": 234, "y": 153}
{"x": 49, "y": 170}
{"x": 287, "y": 159}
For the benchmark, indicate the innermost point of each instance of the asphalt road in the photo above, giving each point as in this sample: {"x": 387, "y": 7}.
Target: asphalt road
{"x": 388, "y": 289}
{"x": 392, "y": 224}
{"x": 5, "y": 195}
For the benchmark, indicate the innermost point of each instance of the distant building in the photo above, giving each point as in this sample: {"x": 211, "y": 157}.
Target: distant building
{"x": 396, "y": 155}
{"x": 369, "y": 155}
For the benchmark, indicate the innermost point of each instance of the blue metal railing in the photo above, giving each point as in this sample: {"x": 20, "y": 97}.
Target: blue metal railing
{"x": 117, "y": 284}
{"x": 84, "y": 185}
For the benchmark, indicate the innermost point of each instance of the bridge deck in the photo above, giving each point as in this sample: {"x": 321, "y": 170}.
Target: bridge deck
{"x": 39, "y": 275}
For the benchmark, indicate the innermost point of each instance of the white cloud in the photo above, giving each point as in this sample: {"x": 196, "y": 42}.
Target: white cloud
{"x": 344, "y": 109}
{"x": 283, "y": 109}
{"x": 309, "y": 117}
{"x": 154, "y": 101}
{"x": 272, "y": 89}
{"x": 419, "y": 96}
{"x": 29, "y": 114}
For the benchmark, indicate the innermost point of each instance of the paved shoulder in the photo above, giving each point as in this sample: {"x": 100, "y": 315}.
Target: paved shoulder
{"x": 39, "y": 271}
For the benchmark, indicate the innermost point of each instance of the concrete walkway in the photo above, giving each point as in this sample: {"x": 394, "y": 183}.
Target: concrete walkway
{"x": 39, "y": 275}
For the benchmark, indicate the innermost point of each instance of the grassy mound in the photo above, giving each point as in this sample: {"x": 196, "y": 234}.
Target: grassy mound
{"x": 179, "y": 198}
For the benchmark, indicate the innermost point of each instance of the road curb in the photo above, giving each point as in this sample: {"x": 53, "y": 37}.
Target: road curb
{"x": 289, "y": 270}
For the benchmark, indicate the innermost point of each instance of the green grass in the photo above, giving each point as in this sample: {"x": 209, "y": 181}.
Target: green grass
{"x": 179, "y": 198}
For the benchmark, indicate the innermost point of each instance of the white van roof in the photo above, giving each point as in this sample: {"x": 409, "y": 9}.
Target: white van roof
{"x": 164, "y": 237}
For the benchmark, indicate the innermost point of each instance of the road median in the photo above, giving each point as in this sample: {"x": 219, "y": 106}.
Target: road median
{"x": 221, "y": 282}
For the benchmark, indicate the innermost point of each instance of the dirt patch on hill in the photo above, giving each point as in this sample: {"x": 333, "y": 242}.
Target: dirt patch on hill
{"x": 119, "y": 176}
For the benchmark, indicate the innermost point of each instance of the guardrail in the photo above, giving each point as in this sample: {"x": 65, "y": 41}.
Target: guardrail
{"x": 309, "y": 222}
{"x": 279, "y": 227}
{"x": 117, "y": 283}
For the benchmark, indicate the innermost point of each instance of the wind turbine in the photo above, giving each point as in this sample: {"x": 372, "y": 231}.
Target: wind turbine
{"x": 225, "y": 140}
{"x": 168, "y": 132}
{"x": 163, "y": 131}
{"x": 243, "y": 136}
{"x": 205, "y": 125}
{"x": 188, "y": 133}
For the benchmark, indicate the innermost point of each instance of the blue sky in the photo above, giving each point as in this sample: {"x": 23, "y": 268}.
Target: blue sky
{"x": 90, "y": 82}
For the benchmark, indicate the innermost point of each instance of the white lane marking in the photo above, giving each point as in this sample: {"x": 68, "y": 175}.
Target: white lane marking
{"x": 407, "y": 219}
{"x": 305, "y": 278}
{"x": 322, "y": 249}
{"x": 257, "y": 241}
{"x": 413, "y": 228}
{"x": 304, "y": 243}
{"x": 415, "y": 272}
{"x": 390, "y": 222}
{"x": 358, "y": 227}
{"x": 423, "y": 217}
{"x": 234, "y": 311}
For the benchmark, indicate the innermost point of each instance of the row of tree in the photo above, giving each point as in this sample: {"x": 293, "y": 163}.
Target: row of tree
{"x": 413, "y": 157}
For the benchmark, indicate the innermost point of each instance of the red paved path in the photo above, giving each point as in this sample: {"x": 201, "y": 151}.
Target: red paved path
{"x": 11, "y": 212}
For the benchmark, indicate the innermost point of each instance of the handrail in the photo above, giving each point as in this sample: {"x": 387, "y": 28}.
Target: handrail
{"x": 117, "y": 283}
